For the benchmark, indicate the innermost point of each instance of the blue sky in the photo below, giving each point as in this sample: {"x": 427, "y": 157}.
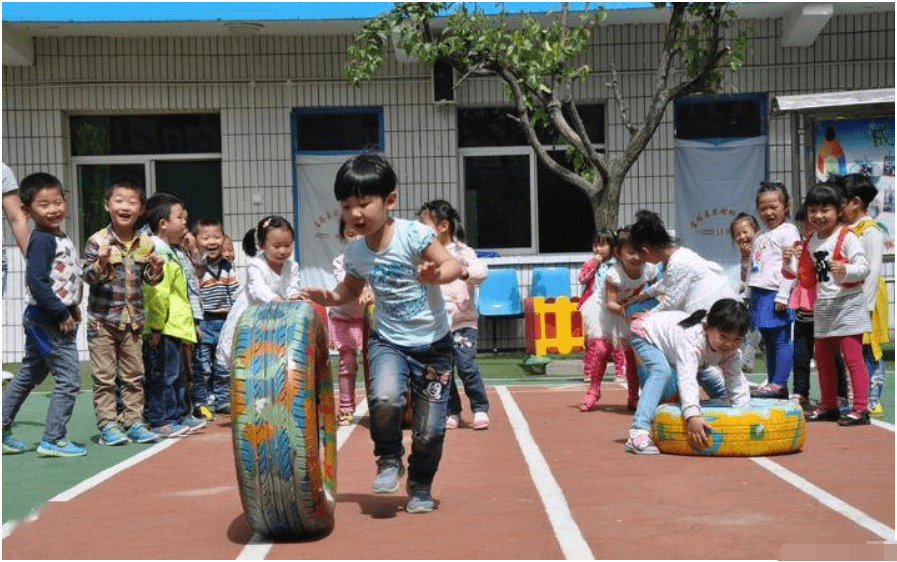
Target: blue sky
{"x": 202, "y": 11}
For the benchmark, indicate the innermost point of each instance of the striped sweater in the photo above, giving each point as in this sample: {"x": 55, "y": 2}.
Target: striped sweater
{"x": 218, "y": 286}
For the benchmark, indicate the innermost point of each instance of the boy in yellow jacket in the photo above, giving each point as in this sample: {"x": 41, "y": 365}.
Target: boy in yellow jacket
{"x": 169, "y": 323}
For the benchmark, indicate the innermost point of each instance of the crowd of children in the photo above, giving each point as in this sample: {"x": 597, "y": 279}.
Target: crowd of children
{"x": 153, "y": 290}
{"x": 163, "y": 304}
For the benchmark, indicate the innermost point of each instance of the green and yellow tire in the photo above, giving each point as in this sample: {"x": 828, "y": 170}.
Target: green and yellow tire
{"x": 283, "y": 420}
{"x": 764, "y": 427}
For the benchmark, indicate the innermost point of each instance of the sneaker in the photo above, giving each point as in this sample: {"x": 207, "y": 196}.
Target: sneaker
{"x": 112, "y": 435}
{"x": 61, "y": 448}
{"x": 877, "y": 410}
{"x": 345, "y": 417}
{"x": 203, "y": 412}
{"x": 12, "y": 445}
{"x": 419, "y": 500}
{"x": 452, "y": 422}
{"x": 138, "y": 433}
{"x": 192, "y": 423}
{"x": 7, "y": 376}
{"x": 481, "y": 420}
{"x": 640, "y": 443}
{"x": 770, "y": 391}
{"x": 170, "y": 430}
{"x": 387, "y": 479}
{"x": 855, "y": 417}
{"x": 823, "y": 414}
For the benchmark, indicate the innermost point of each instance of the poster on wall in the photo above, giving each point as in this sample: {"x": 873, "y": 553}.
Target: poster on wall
{"x": 864, "y": 146}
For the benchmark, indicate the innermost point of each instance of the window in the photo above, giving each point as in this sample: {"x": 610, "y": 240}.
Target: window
{"x": 512, "y": 203}
{"x": 179, "y": 154}
{"x": 720, "y": 117}
{"x": 339, "y": 129}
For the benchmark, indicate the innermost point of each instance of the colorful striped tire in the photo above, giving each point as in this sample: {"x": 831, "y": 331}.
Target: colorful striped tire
{"x": 764, "y": 427}
{"x": 283, "y": 420}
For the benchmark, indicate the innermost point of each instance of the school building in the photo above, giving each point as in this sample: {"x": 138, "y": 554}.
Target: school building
{"x": 249, "y": 118}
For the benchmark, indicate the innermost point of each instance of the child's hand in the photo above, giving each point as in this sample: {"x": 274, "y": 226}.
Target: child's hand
{"x": 154, "y": 339}
{"x": 838, "y": 269}
{"x": 367, "y": 296}
{"x": 428, "y": 272}
{"x": 76, "y": 314}
{"x": 696, "y": 431}
{"x": 787, "y": 254}
{"x": 745, "y": 248}
{"x": 104, "y": 252}
{"x": 156, "y": 263}
{"x": 314, "y": 294}
{"x": 67, "y": 326}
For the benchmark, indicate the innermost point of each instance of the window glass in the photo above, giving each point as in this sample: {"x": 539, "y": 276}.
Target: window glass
{"x": 497, "y": 199}
{"x": 92, "y": 181}
{"x": 145, "y": 134}
{"x": 493, "y": 126}
{"x": 566, "y": 221}
{"x": 198, "y": 183}
{"x": 339, "y": 131}
{"x": 730, "y": 116}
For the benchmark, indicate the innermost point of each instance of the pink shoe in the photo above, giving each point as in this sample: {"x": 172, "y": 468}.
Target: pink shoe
{"x": 481, "y": 420}
{"x": 452, "y": 422}
{"x": 589, "y": 401}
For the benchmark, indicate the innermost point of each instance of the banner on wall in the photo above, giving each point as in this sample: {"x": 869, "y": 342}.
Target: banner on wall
{"x": 318, "y": 219}
{"x": 715, "y": 182}
{"x": 864, "y": 146}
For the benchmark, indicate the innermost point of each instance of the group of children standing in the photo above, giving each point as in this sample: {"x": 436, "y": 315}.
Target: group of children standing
{"x": 152, "y": 294}
{"x": 682, "y": 316}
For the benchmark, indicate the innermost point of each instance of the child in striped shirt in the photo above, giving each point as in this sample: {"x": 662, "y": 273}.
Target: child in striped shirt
{"x": 218, "y": 288}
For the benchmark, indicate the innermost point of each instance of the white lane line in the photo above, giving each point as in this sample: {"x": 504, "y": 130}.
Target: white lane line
{"x": 825, "y": 498}
{"x": 101, "y": 477}
{"x": 570, "y": 539}
{"x": 883, "y": 425}
{"x": 259, "y": 546}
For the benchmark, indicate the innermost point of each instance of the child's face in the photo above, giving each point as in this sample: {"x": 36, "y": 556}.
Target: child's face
{"x": 124, "y": 207}
{"x": 48, "y": 209}
{"x": 173, "y": 228}
{"x": 367, "y": 214}
{"x": 824, "y": 218}
{"x": 227, "y": 250}
{"x": 211, "y": 241}
{"x": 771, "y": 207}
{"x": 632, "y": 260}
{"x": 743, "y": 232}
{"x": 427, "y": 218}
{"x": 724, "y": 343}
{"x": 278, "y": 246}
{"x": 602, "y": 248}
{"x": 853, "y": 210}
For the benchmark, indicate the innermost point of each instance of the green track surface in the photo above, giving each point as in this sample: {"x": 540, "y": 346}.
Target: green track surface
{"x": 30, "y": 481}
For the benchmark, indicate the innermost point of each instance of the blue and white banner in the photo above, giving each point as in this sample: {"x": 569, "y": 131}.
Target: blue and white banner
{"x": 715, "y": 182}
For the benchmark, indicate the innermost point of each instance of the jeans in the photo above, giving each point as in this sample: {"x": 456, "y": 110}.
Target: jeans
{"x": 803, "y": 353}
{"x": 62, "y": 361}
{"x": 210, "y": 376}
{"x": 659, "y": 383}
{"x": 166, "y": 382}
{"x": 779, "y": 353}
{"x": 876, "y": 375}
{"x": 427, "y": 370}
{"x": 465, "y": 340}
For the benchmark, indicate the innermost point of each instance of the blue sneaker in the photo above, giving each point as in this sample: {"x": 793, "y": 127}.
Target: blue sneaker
{"x": 112, "y": 435}
{"x": 61, "y": 448}
{"x": 420, "y": 500}
{"x": 387, "y": 479}
{"x": 11, "y": 445}
{"x": 138, "y": 433}
{"x": 192, "y": 423}
{"x": 171, "y": 430}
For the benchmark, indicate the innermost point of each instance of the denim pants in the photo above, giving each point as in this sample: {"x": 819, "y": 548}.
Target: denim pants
{"x": 427, "y": 370}
{"x": 660, "y": 384}
{"x": 62, "y": 360}
{"x": 876, "y": 375}
{"x": 166, "y": 382}
{"x": 210, "y": 376}
{"x": 465, "y": 340}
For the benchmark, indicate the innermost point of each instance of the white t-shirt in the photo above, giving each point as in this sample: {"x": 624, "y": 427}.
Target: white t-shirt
{"x": 9, "y": 180}
{"x": 766, "y": 261}
{"x": 407, "y": 312}
{"x": 857, "y": 266}
{"x": 688, "y": 283}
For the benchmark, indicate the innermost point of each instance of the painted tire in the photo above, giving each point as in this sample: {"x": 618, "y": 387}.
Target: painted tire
{"x": 283, "y": 420}
{"x": 765, "y": 427}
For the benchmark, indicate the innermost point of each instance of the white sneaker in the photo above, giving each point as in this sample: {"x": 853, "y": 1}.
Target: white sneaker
{"x": 7, "y": 375}
{"x": 452, "y": 422}
{"x": 640, "y": 443}
{"x": 481, "y": 420}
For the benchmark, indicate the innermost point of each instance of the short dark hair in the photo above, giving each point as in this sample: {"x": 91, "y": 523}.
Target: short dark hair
{"x": 726, "y": 315}
{"x": 825, "y": 193}
{"x": 858, "y": 185}
{"x": 126, "y": 182}
{"x": 742, "y": 217}
{"x": 255, "y": 237}
{"x": 207, "y": 221}
{"x": 648, "y": 230}
{"x": 364, "y": 175}
{"x": 29, "y": 186}
{"x": 158, "y": 207}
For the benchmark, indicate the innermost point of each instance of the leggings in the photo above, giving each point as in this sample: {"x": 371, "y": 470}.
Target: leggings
{"x": 826, "y": 349}
{"x": 598, "y": 352}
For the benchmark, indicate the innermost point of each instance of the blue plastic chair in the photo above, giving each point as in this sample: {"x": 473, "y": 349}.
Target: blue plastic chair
{"x": 550, "y": 282}
{"x": 500, "y": 298}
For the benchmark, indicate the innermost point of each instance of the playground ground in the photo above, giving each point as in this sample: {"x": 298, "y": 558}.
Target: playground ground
{"x": 544, "y": 482}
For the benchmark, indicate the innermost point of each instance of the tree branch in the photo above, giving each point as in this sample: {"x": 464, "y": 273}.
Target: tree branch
{"x": 622, "y": 106}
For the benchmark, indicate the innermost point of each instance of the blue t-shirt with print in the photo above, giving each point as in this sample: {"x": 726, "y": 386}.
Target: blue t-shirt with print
{"x": 407, "y": 313}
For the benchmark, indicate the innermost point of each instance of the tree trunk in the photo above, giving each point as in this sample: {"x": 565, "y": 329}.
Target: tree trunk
{"x": 606, "y": 206}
